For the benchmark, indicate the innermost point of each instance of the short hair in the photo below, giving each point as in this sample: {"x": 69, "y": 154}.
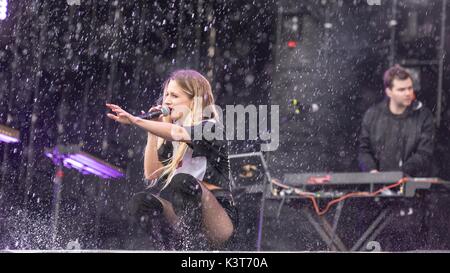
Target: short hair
{"x": 395, "y": 72}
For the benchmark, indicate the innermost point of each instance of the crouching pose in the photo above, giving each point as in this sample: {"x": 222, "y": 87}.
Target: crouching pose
{"x": 186, "y": 162}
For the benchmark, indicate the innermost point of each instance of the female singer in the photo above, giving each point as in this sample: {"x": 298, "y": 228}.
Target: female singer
{"x": 186, "y": 161}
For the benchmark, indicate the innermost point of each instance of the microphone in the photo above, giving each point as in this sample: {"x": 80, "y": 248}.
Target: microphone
{"x": 165, "y": 111}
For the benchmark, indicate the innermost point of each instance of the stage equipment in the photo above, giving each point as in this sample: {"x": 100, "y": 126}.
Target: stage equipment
{"x": 73, "y": 157}
{"x": 8, "y": 135}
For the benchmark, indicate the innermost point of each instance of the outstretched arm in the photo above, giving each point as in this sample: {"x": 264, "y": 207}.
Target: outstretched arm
{"x": 168, "y": 131}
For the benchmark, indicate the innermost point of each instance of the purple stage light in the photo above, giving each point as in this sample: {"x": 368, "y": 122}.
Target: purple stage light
{"x": 3, "y": 9}
{"x": 73, "y": 157}
{"x": 8, "y": 135}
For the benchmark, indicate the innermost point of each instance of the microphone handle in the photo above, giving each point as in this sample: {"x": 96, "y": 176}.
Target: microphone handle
{"x": 150, "y": 115}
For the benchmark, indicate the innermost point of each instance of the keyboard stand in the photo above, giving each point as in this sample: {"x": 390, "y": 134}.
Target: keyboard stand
{"x": 325, "y": 230}
{"x": 374, "y": 229}
{"x": 328, "y": 232}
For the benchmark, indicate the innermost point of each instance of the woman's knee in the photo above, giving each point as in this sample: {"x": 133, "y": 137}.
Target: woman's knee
{"x": 186, "y": 183}
{"x": 181, "y": 183}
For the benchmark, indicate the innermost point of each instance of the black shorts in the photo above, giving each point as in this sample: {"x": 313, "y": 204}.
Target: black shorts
{"x": 226, "y": 200}
{"x": 224, "y": 197}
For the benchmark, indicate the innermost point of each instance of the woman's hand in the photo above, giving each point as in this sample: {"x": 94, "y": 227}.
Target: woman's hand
{"x": 121, "y": 116}
{"x": 154, "y": 109}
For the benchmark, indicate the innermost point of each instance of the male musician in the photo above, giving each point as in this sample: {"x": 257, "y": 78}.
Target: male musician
{"x": 397, "y": 133}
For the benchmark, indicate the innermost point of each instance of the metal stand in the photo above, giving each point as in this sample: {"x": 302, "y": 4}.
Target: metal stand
{"x": 266, "y": 188}
{"x": 374, "y": 229}
{"x": 328, "y": 232}
{"x": 325, "y": 230}
{"x": 57, "y": 188}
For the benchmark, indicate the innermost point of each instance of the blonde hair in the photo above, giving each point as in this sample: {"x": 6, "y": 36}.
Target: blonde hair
{"x": 197, "y": 87}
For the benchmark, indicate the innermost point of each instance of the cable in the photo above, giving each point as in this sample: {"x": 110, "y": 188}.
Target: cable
{"x": 312, "y": 196}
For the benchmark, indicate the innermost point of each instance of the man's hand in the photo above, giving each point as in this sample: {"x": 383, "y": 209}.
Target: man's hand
{"x": 121, "y": 116}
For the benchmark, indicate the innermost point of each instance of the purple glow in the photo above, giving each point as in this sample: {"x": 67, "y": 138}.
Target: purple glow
{"x": 8, "y": 139}
{"x": 8, "y": 134}
{"x": 73, "y": 158}
{"x": 104, "y": 168}
{"x": 70, "y": 163}
{"x": 89, "y": 169}
{"x": 70, "y": 166}
{"x": 74, "y": 163}
{"x": 3, "y": 9}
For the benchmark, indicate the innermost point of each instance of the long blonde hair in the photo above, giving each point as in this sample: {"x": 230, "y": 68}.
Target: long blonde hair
{"x": 197, "y": 87}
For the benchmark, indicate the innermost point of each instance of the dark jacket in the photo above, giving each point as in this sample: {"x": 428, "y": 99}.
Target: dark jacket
{"x": 412, "y": 143}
